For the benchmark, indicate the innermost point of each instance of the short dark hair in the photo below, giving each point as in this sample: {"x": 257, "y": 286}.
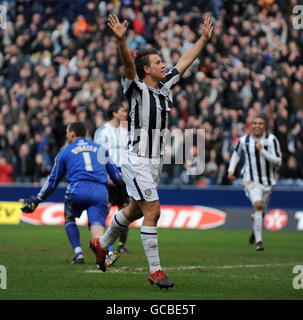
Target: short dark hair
{"x": 261, "y": 116}
{"x": 142, "y": 59}
{"x": 78, "y": 127}
{"x": 113, "y": 107}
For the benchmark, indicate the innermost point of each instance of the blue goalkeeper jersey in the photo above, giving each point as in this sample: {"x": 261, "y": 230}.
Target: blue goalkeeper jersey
{"x": 82, "y": 160}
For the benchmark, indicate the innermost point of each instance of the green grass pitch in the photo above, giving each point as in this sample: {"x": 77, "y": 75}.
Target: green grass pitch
{"x": 213, "y": 264}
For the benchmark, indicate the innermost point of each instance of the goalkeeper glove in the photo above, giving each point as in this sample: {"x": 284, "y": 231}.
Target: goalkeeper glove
{"x": 30, "y": 205}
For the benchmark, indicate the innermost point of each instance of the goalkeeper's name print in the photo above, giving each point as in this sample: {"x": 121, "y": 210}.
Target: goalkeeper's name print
{"x": 3, "y": 277}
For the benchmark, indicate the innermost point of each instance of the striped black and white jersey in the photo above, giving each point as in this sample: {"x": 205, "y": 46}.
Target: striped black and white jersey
{"x": 148, "y": 114}
{"x": 114, "y": 140}
{"x": 259, "y": 166}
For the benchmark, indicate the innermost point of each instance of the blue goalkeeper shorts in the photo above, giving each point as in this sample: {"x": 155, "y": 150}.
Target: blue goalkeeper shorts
{"x": 89, "y": 196}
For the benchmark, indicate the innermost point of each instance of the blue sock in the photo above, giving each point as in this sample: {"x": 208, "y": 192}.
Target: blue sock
{"x": 110, "y": 250}
{"x": 73, "y": 235}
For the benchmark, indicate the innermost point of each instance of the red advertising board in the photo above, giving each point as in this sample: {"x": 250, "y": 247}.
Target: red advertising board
{"x": 191, "y": 217}
{"x": 275, "y": 219}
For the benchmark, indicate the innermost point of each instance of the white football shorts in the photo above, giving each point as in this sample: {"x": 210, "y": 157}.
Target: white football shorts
{"x": 257, "y": 192}
{"x": 142, "y": 177}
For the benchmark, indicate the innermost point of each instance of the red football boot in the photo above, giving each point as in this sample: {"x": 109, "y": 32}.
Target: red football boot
{"x": 160, "y": 279}
{"x": 99, "y": 252}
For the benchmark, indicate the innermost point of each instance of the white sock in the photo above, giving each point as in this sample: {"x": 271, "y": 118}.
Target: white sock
{"x": 117, "y": 225}
{"x": 149, "y": 237}
{"x": 78, "y": 252}
{"x": 257, "y": 225}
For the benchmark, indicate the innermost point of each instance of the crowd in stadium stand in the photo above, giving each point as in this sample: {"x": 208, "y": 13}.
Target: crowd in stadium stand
{"x": 59, "y": 63}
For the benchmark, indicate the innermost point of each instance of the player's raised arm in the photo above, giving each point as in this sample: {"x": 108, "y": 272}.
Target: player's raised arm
{"x": 235, "y": 158}
{"x": 192, "y": 54}
{"x": 119, "y": 30}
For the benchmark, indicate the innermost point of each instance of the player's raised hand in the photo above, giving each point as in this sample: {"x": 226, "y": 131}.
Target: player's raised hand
{"x": 207, "y": 28}
{"x": 119, "y": 29}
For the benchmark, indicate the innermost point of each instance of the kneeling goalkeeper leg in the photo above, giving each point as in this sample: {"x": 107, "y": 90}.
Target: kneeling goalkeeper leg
{"x": 73, "y": 235}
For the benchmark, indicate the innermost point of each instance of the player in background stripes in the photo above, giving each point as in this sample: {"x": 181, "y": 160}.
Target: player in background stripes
{"x": 262, "y": 160}
{"x": 147, "y": 87}
{"x": 113, "y": 137}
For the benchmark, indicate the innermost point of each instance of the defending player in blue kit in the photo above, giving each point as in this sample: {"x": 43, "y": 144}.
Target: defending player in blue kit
{"x": 86, "y": 166}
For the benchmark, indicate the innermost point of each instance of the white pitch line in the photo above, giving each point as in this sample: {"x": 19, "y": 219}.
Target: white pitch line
{"x": 180, "y": 268}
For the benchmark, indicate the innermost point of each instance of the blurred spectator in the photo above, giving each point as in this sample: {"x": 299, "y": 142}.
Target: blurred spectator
{"x": 291, "y": 169}
{"x": 42, "y": 169}
{"x": 3, "y": 139}
{"x": 6, "y": 171}
{"x": 24, "y": 167}
{"x": 296, "y": 95}
{"x": 299, "y": 156}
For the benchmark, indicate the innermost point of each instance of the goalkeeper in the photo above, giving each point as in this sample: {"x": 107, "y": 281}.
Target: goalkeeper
{"x": 86, "y": 165}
